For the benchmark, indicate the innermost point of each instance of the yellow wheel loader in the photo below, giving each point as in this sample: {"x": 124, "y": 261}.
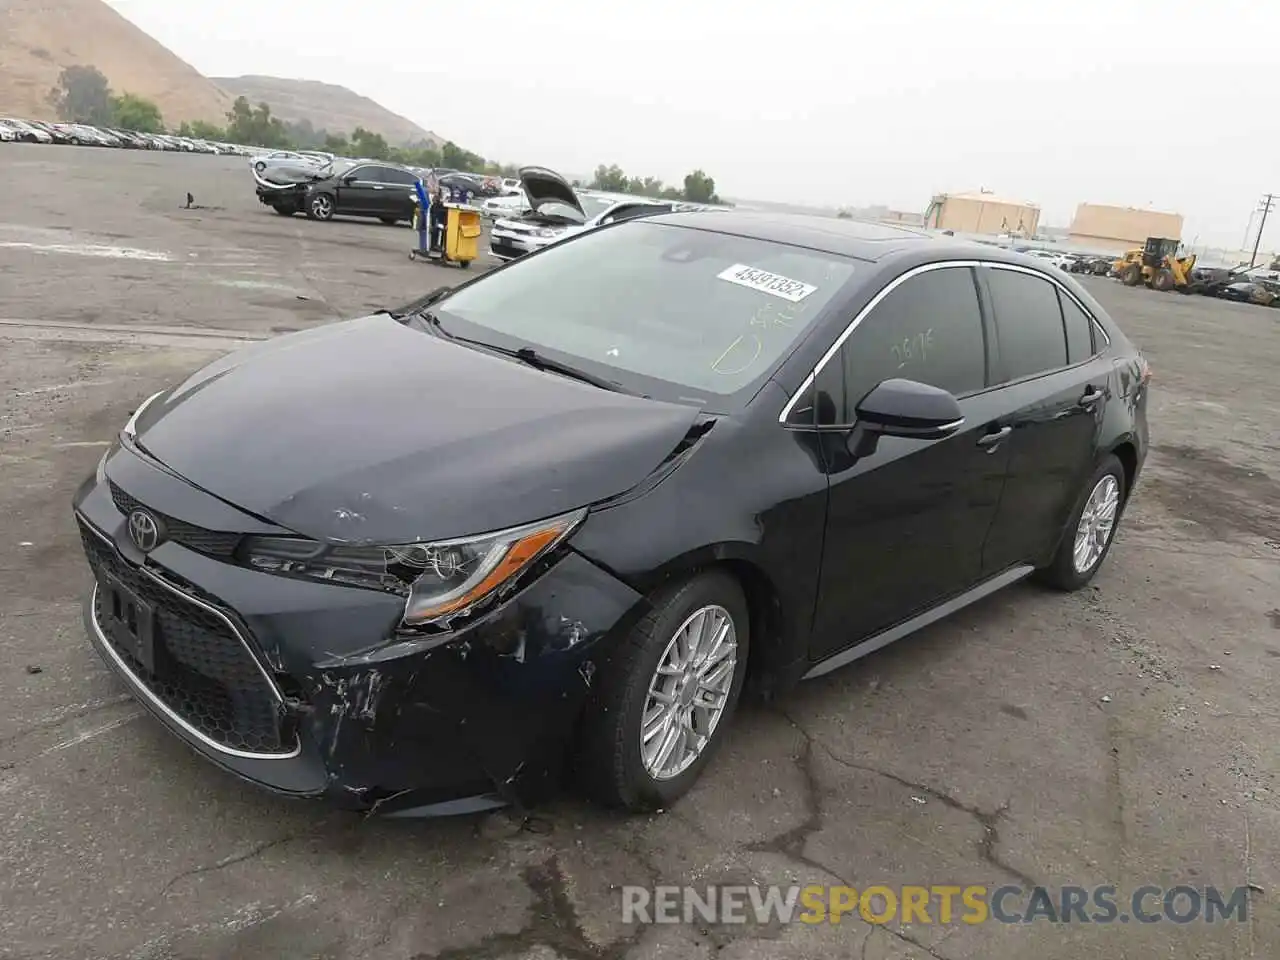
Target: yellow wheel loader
{"x": 1157, "y": 265}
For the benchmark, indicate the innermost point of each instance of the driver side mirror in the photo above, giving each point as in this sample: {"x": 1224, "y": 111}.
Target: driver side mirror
{"x": 904, "y": 408}
{"x": 349, "y": 179}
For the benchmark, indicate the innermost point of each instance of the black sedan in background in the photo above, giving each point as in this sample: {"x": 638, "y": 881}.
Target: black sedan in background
{"x": 360, "y": 189}
{"x": 548, "y": 522}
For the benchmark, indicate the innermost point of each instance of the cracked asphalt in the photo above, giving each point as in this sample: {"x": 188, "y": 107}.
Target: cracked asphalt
{"x": 1125, "y": 735}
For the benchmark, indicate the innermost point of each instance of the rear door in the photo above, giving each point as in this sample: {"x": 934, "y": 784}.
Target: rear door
{"x": 906, "y": 525}
{"x": 1054, "y": 384}
{"x": 399, "y": 192}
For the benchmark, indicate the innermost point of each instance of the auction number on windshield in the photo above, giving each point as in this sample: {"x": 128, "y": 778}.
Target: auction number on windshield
{"x": 916, "y": 347}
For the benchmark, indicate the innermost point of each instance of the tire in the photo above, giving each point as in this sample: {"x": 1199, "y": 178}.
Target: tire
{"x": 390, "y": 221}
{"x": 1131, "y": 275}
{"x": 1064, "y": 573}
{"x": 259, "y": 166}
{"x": 320, "y": 206}
{"x": 611, "y": 767}
{"x": 1163, "y": 280}
{"x": 465, "y": 264}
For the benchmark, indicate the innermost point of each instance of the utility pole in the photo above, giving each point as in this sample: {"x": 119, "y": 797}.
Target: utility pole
{"x": 1264, "y": 207}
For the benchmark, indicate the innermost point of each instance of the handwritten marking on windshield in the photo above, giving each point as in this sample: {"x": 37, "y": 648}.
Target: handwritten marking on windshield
{"x": 755, "y": 341}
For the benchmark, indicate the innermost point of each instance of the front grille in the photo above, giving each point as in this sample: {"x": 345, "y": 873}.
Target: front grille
{"x": 213, "y": 543}
{"x": 505, "y": 250}
{"x": 201, "y": 670}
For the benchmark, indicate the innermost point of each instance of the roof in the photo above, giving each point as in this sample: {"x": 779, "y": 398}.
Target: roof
{"x": 992, "y": 198}
{"x": 862, "y": 239}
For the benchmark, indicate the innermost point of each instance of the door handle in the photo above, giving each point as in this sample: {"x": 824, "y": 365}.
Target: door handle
{"x": 992, "y": 440}
{"x": 1091, "y": 398}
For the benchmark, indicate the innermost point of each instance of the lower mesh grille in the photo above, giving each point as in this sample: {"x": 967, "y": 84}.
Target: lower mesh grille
{"x": 199, "y": 668}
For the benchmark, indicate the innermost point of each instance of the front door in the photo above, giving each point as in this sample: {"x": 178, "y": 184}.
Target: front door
{"x": 359, "y": 191}
{"x": 1055, "y": 382}
{"x": 906, "y": 525}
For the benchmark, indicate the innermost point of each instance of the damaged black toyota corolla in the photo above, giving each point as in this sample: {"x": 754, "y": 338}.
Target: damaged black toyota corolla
{"x": 547, "y": 523}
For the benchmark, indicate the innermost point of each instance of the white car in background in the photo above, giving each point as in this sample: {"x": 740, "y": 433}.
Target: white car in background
{"x": 556, "y": 211}
{"x": 11, "y": 129}
{"x": 1061, "y": 261}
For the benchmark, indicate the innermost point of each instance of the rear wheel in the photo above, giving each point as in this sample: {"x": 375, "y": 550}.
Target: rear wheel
{"x": 1163, "y": 280}
{"x": 1131, "y": 275}
{"x": 1093, "y": 527}
{"x": 662, "y": 701}
{"x": 390, "y": 221}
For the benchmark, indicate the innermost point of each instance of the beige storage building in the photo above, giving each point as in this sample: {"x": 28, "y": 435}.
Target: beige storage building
{"x": 982, "y": 212}
{"x": 1100, "y": 227}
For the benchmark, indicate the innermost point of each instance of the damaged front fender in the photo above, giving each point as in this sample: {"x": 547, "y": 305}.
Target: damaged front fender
{"x": 488, "y": 710}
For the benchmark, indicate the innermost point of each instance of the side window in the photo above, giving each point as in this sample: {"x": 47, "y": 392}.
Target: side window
{"x": 1079, "y": 330}
{"x": 928, "y": 329}
{"x": 1030, "y": 323}
{"x": 361, "y": 175}
{"x": 403, "y": 177}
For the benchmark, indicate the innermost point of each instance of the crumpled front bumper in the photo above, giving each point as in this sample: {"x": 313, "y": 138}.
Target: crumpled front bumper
{"x": 415, "y": 726}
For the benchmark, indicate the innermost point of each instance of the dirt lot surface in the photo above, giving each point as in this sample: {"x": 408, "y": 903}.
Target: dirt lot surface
{"x": 1128, "y": 734}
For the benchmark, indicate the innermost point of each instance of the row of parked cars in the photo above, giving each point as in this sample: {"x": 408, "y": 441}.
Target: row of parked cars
{"x": 14, "y": 130}
{"x": 529, "y": 212}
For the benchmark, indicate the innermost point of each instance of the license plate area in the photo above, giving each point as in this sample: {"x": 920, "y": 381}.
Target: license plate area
{"x": 129, "y": 621}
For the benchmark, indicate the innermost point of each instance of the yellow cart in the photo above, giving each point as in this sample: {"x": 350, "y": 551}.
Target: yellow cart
{"x": 460, "y": 242}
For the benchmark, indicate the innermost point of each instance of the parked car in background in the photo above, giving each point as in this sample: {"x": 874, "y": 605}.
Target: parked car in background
{"x": 315, "y": 158}
{"x": 24, "y": 131}
{"x": 386, "y": 191}
{"x": 1263, "y": 293}
{"x": 556, "y": 211}
{"x": 1059, "y": 260}
{"x": 439, "y": 558}
{"x": 508, "y": 205}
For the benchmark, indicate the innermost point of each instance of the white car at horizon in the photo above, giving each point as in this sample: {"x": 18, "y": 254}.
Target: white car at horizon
{"x": 556, "y": 211}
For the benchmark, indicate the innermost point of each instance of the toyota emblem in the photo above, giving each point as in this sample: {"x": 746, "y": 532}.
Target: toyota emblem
{"x": 144, "y": 531}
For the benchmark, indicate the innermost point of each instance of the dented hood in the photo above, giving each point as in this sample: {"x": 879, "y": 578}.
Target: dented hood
{"x": 372, "y": 432}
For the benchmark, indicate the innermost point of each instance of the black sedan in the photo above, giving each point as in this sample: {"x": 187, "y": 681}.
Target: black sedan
{"x": 547, "y": 523}
{"x": 361, "y": 189}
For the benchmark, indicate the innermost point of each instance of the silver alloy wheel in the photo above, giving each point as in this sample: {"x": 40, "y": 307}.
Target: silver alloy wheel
{"x": 1097, "y": 523}
{"x": 322, "y": 206}
{"x": 688, "y": 692}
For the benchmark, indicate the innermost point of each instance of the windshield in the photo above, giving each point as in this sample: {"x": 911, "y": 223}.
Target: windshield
{"x": 698, "y": 311}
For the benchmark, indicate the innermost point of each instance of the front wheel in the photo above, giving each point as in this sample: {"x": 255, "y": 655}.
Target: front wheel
{"x": 662, "y": 701}
{"x": 1131, "y": 276}
{"x": 1163, "y": 280}
{"x": 1092, "y": 530}
{"x": 320, "y": 207}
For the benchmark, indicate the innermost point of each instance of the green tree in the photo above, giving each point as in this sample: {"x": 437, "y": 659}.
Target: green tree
{"x": 369, "y": 145}
{"x": 336, "y": 143}
{"x": 452, "y": 155}
{"x": 82, "y": 95}
{"x": 133, "y": 112}
{"x": 610, "y": 178}
{"x": 255, "y": 126}
{"x": 203, "y": 130}
{"x": 699, "y": 188}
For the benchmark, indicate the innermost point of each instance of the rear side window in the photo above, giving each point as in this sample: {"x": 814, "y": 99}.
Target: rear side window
{"x": 1029, "y": 319}
{"x": 392, "y": 175}
{"x": 1079, "y": 330}
{"x": 928, "y": 329}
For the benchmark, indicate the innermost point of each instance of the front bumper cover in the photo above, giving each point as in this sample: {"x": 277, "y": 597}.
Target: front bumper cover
{"x": 477, "y": 718}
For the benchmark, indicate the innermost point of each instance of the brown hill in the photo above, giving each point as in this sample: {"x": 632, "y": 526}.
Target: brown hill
{"x": 327, "y": 107}
{"x": 40, "y": 37}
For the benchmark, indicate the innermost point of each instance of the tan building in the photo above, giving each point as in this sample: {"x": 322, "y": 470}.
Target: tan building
{"x": 982, "y": 212}
{"x": 1100, "y": 227}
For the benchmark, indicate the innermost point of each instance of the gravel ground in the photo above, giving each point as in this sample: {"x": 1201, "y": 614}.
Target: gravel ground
{"x": 1126, "y": 734}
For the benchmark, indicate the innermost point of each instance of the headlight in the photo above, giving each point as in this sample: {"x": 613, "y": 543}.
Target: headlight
{"x": 548, "y": 232}
{"x": 439, "y": 581}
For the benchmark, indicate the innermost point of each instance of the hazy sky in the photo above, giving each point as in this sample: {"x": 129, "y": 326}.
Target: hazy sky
{"x": 1170, "y": 105}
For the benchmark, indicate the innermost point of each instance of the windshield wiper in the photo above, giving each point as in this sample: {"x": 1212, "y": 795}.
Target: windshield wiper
{"x": 529, "y": 357}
